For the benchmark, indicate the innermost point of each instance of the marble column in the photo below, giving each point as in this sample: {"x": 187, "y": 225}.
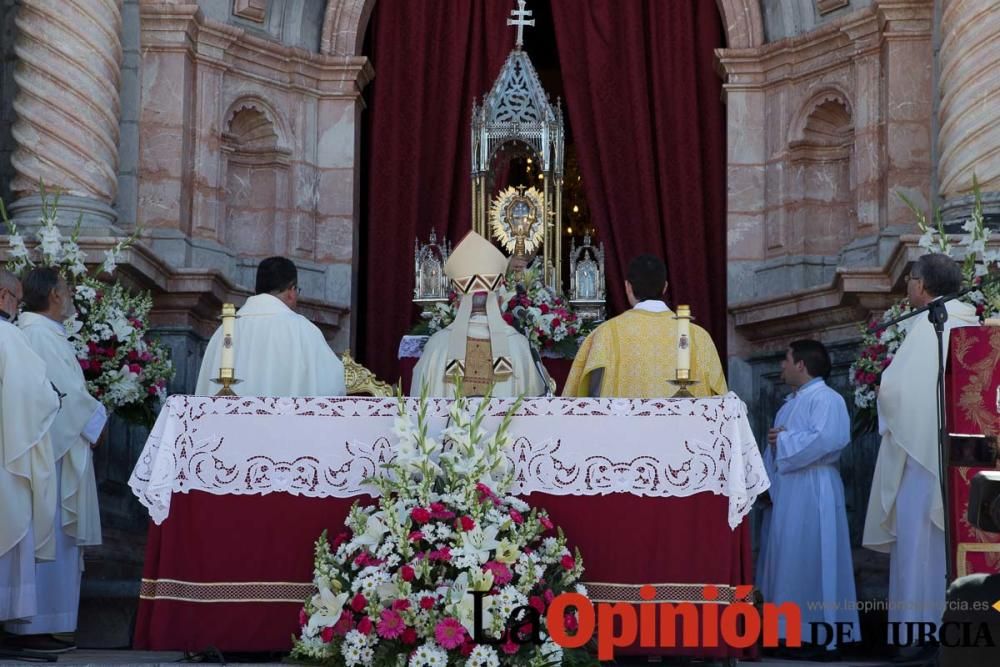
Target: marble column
{"x": 67, "y": 108}
{"x": 969, "y": 133}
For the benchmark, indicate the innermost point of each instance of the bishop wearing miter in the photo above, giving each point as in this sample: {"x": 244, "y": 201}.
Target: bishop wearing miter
{"x": 479, "y": 346}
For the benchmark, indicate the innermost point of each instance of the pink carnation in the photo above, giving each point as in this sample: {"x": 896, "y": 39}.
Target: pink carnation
{"x": 501, "y": 573}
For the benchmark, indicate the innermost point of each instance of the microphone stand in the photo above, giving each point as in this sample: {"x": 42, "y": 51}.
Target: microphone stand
{"x": 540, "y": 369}
{"x": 938, "y": 315}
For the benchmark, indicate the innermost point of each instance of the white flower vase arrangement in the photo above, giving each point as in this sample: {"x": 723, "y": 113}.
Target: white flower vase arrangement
{"x": 124, "y": 368}
{"x": 399, "y": 586}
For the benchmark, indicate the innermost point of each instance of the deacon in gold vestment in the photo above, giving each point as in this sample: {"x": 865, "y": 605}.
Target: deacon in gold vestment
{"x": 634, "y": 355}
{"x": 478, "y": 346}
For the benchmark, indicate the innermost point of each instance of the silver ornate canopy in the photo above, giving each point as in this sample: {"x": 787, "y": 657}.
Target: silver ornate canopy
{"x": 517, "y": 111}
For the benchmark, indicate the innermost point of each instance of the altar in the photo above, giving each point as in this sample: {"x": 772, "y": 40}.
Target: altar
{"x": 652, "y": 491}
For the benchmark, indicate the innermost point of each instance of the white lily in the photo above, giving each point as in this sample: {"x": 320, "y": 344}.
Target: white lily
{"x": 328, "y": 607}
{"x": 375, "y": 529}
{"x": 479, "y": 542}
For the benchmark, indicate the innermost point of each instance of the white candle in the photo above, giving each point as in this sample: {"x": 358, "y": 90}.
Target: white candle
{"x": 683, "y": 340}
{"x": 228, "y": 343}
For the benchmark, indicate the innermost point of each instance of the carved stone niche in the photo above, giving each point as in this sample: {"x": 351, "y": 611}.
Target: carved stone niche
{"x": 827, "y": 6}
{"x": 251, "y": 10}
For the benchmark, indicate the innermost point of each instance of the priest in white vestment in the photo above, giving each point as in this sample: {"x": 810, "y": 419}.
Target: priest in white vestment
{"x": 905, "y": 509}
{"x": 28, "y": 406}
{"x": 807, "y": 556}
{"x": 277, "y": 351}
{"x": 48, "y": 302}
{"x": 479, "y": 346}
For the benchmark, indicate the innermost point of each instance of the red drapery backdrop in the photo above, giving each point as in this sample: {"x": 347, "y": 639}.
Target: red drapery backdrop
{"x": 430, "y": 60}
{"x": 644, "y": 102}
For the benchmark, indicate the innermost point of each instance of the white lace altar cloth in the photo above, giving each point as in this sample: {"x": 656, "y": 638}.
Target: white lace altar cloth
{"x": 325, "y": 447}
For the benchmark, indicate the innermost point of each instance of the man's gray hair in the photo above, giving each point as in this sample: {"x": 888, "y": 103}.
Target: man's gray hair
{"x": 8, "y": 280}
{"x": 940, "y": 273}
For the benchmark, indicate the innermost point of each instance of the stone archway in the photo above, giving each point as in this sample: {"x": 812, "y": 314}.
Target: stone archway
{"x": 744, "y": 23}
{"x": 344, "y": 25}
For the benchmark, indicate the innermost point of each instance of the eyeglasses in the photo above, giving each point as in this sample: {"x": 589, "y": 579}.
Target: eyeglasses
{"x": 909, "y": 276}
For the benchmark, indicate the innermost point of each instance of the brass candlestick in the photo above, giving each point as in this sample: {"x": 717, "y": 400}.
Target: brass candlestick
{"x": 683, "y": 381}
{"x": 227, "y": 378}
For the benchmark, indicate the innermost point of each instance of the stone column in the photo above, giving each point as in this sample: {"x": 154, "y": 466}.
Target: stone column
{"x": 970, "y": 92}
{"x": 67, "y": 106}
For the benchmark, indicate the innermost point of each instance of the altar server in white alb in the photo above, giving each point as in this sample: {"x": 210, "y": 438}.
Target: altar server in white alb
{"x": 905, "y": 509}
{"x": 28, "y": 406}
{"x": 479, "y": 346}
{"x": 807, "y": 555}
{"x": 277, "y": 352}
{"x": 48, "y": 302}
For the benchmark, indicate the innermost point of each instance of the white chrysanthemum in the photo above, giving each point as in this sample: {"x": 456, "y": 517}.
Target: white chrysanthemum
{"x": 483, "y": 656}
{"x": 351, "y": 653}
{"x": 551, "y": 652}
{"x": 508, "y": 600}
{"x": 517, "y": 504}
{"x": 581, "y": 589}
{"x": 429, "y": 655}
{"x": 86, "y": 292}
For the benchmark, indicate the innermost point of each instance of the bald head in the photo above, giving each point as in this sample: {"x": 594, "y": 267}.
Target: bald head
{"x": 10, "y": 294}
{"x": 8, "y": 280}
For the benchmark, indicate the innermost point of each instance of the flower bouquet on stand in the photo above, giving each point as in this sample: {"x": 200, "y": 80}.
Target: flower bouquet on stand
{"x": 401, "y": 585}
{"x": 125, "y": 369}
{"x": 878, "y": 348}
{"x": 530, "y": 306}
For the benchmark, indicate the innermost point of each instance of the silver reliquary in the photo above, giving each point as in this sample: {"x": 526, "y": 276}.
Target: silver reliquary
{"x": 586, "y": 280}
{"x": 430, "y": 284}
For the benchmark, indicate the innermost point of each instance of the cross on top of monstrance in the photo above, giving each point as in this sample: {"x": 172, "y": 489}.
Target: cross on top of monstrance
{"x": 520, "y": 18}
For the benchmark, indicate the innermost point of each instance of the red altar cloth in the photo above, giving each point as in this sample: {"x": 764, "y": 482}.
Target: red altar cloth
{"x": 972, "y": 381}
{"x": 558, "y": 370}
{"x": 263, "y": 545}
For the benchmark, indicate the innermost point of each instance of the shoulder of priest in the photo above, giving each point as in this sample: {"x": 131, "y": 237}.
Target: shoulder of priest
{"x": 600, "y": 351}
{"x": 285, "y": 353}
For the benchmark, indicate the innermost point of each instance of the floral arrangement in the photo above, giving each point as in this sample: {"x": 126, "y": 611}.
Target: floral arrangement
{"x": 878, "y": 348}
{"x": 123, "y": 367}
{"x": 399, "y": 586}
{"x": 528, "y": 305}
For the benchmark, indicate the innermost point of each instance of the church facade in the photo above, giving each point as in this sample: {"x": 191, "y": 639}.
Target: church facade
{"x": 230, "y": 130}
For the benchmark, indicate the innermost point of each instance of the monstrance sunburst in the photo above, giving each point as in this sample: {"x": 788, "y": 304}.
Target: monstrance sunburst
{"x": 517, "y": 220}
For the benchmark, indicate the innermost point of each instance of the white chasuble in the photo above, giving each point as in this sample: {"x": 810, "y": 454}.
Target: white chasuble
{"x": 430, "y": 369}
{"x": 28, "y": 405}
{"x": 277, "y": 352}
{"x": 905, "y": 509}
{"x": 77, "y": 426}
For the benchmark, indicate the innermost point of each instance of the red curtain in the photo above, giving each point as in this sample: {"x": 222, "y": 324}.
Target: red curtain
{"x": 644, "y": 103}
{"x": 430, "y": 60}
